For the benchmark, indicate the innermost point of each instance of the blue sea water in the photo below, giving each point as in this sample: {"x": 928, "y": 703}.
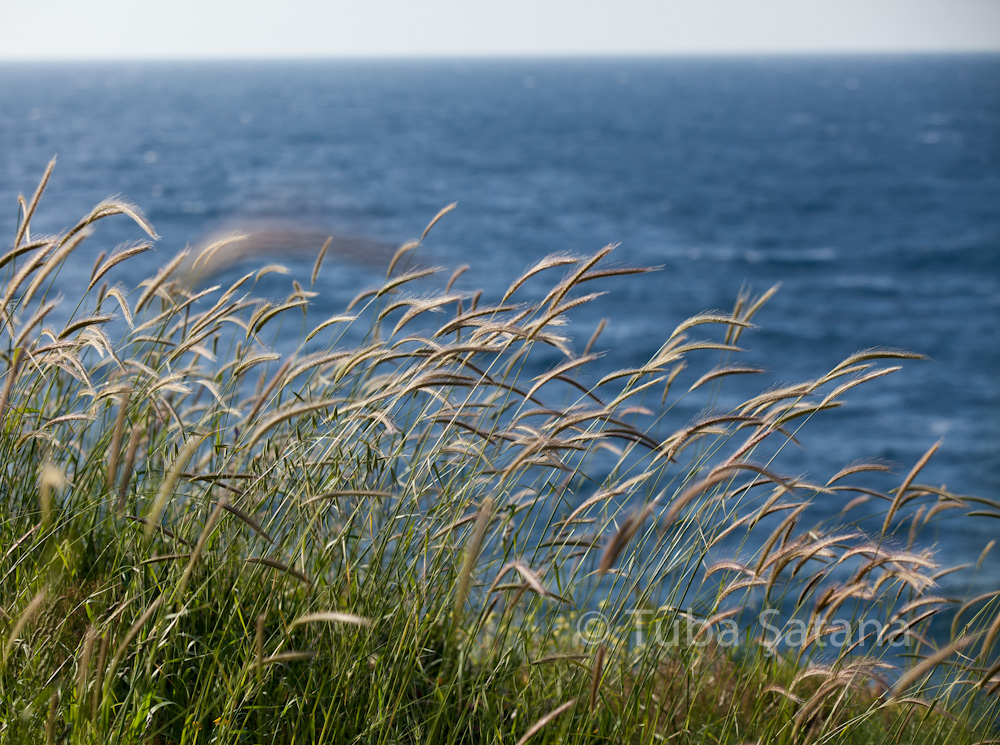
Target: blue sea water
{"x": 868, "y": 186}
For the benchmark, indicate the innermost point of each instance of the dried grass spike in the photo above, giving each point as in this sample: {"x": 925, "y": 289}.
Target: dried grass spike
{"x": 710, "y": 317}
{"x": 400, "y": 253}
{"x": 154, "y": 284}
{"x": 444, "y": 211}
{"x": 900, "y": 499}
{"x": 472, "y": 549}
{"x": 540, "y": 724}
{"x": 115, "y": 259}
{"x": 319, "y": 260}
{"x": 24, "y": 226}
{"x": 166, "y": 490}
{"x": 925, "y": 666}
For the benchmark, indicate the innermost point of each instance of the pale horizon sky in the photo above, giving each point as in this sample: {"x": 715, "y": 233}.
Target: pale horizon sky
{"x": 212, "y": 29}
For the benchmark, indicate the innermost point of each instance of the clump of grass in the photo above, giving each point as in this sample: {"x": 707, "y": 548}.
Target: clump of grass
{"x": 429, "y": 536}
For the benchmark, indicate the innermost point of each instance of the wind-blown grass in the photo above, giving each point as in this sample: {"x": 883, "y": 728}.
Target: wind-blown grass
{"x": 430, "y": 537}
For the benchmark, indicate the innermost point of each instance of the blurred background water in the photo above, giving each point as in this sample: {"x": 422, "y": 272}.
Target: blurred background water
{"x": 868, "y": 186}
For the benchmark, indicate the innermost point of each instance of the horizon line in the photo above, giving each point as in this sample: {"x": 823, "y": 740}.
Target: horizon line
{"x": 518, "y": 56}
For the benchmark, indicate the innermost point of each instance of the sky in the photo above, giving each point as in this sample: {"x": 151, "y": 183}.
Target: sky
{"x": 142, "y": 29}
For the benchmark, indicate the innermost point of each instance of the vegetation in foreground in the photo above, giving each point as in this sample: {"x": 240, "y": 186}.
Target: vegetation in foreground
{"x": 421, "y": 538}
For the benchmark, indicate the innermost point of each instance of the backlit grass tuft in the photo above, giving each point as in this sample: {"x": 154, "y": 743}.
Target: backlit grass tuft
{"x": 436, "y": 534}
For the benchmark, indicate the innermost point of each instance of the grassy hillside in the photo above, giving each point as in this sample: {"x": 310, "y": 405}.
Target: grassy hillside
{"x": 422, "y": 537}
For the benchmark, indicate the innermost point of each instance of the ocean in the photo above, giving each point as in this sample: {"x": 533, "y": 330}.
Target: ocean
{"x": 869, "y": 187}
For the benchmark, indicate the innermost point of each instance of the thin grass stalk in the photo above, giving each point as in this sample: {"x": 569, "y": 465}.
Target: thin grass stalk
{"x": 133, "y": 632}
{"x": 8, "y": 385}
{"x": 259, "y": 647}
{"x": 102, "y": 658}
{"x": 206, "y": 533}
{"x": 595, "y": 677}
{"x": 50, "y": 721}
{"x": 116, "y": 439}
{"x": 130, "y": 454}
{"x": 83, "y": 670}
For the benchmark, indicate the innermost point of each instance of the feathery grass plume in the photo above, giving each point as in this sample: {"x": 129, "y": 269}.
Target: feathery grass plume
{"x": 169, "y": 483}
{"x": 901, "y": 499}
{"x": 875, "y": 353}
{"x": 711, "y": 317}
{"x": 270, "y": 269}
{"x": 21, "y": 340}
{"x": 83, "y": 323}
{"x": 114, "y": 206}
{"x": 291, "y": 656}
{"x": 330, "y": 617}
{"x": 734, "y": 331}
{"x": 434, "y": 221}
{"x": 594, "y": 336}
{"x": 865, "y": 466}
{"x": 472, "y": 548}
{"x": 559, "y": 371}
{"x": 716, "y": 476}
{"x": 339, "y": 318}
{"x": 466, "y": 319}
{"x": 400, "y": 253}
{"x": 584, "y": 265}
{"x": 982, "y": 556}
{"x": 25, "y": 618}
{"x": 97, "y": 263}
{"x": 398, "y": 281}
{"x": 531, "y": 579}
{"x": 549, "y": 262}
{"x": 24, "y": 224}
{"x": 153, "y": 285}
{"x": 12, "y": 254}
{"x": 10, "y": 291}
{"x": 204, "y": 261}
{"x": 425, "y": 306}
{"x": 926, "y": 665}
{"x": 723, "y": 371}
{"x": 52, "y": 263}
{"x": 458, "y": 272}
{"x": 557, "y": 312}
{"x": 119, "y": 297}
{"x": 257, "y": 322}
{"x": 50, "y": 479}
{"x": 622, "y": 537}
{"x": 319, "y": 260}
